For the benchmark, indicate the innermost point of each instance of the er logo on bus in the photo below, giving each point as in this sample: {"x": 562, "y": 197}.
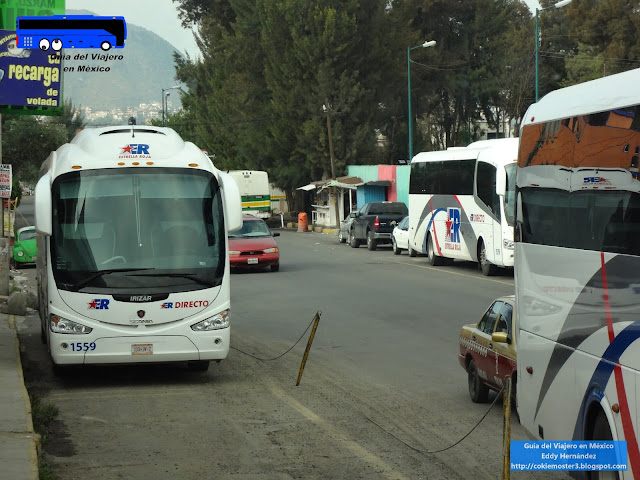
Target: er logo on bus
{"x": 453, "y": 225}
{"x": 99, "y": 304}
{"x": 136, "y": 149}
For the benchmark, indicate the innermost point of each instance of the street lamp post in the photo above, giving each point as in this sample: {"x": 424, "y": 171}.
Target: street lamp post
{"x": 430, "y": 43}
{"x": 561, "y": 4}
{"x": 164, "y": 97}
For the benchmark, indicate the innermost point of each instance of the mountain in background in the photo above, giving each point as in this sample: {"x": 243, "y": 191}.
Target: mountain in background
{"x": 146, "y": 68}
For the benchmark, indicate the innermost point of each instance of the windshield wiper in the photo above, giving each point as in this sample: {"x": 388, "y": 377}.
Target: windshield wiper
{"x": 179, "y": 275}
{"x": 77, "y": 286}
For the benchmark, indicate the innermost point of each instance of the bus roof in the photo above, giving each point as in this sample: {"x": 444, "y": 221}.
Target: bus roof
{"x": 608, "y": 93}
{"x": 499, "y": 151}
{"x": 119, "y": 147}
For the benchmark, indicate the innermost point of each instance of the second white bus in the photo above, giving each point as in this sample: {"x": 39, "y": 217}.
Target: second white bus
{"x": 255, "y": 191}
{"x": 461, "y": 204}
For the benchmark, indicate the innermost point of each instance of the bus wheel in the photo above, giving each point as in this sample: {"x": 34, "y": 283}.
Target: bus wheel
{"x": 478, "y": 391}
{"x": 105, "y": 46}
{"x": 601, "y": 431}
{"x": 434, "y": 260}
{"x": 486, "y": 267}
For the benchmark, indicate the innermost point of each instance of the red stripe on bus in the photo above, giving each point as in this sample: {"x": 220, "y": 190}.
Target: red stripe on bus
{"x": 627, "y": 423}
{"x": 435, "y": 237}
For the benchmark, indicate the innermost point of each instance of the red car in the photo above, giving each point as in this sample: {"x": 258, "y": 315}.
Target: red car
{"x": 253, "y": 245}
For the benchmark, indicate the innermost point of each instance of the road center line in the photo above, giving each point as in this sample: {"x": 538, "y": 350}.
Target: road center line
{"x": 359, "y": 451}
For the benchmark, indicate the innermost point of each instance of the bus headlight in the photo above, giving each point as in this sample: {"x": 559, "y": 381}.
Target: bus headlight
{"x": 271, "y": 250}
{"x": 507, "y": 244}
{"x": 64, "y": 325}
{"x": 217, "y": 322}
{"x": 234, "y": 252}
{"x": 20, "y": 253}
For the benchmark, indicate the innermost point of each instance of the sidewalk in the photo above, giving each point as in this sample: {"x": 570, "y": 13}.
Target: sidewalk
{"x": 314, "y": 228}
{"x": 18, "y": 452}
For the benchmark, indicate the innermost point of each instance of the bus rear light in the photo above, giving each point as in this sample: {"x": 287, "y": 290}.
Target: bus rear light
{"x": 64, "y": 325}
{"x": 376, "y": 224}
{"x": 217, "y": 322}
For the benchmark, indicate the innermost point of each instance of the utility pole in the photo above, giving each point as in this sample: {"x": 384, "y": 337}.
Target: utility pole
{"x": 327, "y": 110}
{"x": 4, "y": 241}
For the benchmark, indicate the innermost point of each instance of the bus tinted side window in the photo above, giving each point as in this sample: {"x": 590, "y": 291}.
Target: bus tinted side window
{"x": 486, "y": 187}
{"x": 451, "y": 177}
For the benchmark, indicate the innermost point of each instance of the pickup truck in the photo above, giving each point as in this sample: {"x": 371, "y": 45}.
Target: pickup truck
{"x": 374, "y": 223}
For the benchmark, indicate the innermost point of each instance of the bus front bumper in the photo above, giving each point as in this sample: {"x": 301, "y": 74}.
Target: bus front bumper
{"x": 79, "y": 350}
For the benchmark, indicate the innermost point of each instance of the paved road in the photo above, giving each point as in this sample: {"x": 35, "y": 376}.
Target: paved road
{"x": 382, "y": 382}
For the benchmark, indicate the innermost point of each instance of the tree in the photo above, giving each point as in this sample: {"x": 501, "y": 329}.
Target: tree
{"x": 27, "y": 142}
{"x": 71, "y": 118}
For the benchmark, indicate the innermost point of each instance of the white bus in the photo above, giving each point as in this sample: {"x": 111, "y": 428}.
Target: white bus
{"x": 132, "y": 259}
{"x": 255, "y": 191}
{"x": 461, "y": 204}
{"x": 577, "y": 271}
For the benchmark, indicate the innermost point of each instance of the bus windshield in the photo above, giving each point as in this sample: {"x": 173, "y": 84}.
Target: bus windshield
{"x": 159, "y": 231}
{"x": 510, "y": 194}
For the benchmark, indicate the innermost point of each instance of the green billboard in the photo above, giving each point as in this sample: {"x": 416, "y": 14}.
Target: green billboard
{"x": 10, "y": 9}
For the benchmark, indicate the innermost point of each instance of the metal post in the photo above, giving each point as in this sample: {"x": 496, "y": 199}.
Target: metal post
{"x": 506, "y": 444}
{"x": 162, "y": 102}
{"x": 333, "y": 167}
{"x": 409, "y": 101}
{"x": 537, "y": 41}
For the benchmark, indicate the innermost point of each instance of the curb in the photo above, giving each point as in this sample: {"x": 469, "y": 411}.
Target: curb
{"x": 315, "y": 228}
{"x": 28, "y": 438}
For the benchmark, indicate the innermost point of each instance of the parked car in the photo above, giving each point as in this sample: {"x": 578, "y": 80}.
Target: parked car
{"x": 374, "y": 223}
{"x": 488, "y": 349}
{"x": 24, "y": 247}
{"x": 345, "y": 227}
{"x": 400, "y": 237}
{"x": 254, "y": 245}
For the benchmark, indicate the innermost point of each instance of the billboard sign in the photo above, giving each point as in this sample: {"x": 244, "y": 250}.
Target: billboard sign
{"x": 28, "y": 78}
{"x": 11, "y": 9}
{"x": 5, "y": 181}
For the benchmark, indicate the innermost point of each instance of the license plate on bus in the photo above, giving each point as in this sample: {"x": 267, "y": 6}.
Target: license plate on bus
{"x": 142, "y": 349}
{"x": 252, "y": 261}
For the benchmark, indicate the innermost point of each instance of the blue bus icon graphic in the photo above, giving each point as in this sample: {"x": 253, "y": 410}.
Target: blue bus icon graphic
{"x": 70, "y": 31}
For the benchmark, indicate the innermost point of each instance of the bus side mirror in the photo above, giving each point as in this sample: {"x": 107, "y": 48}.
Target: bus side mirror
{"x": 501, "y": 182}
{"x": 232, "y": 202}
{"x": 43, "y": 205}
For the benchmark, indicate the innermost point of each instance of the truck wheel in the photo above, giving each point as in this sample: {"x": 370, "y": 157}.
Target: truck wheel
{"x": 488, "y": 269}
{"x": 372, "y": 243}
{"x": 434, "y": 260}
{"x": 478, "y": 391}
{"x": 353, "y": 241}
{"x": 341, "y": 237}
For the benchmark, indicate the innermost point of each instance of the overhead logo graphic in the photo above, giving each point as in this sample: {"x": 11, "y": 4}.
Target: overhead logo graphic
{"x": 99, "y": 304}
{"x": 71, "y": 31}
{"x": 135, "y": 150}
{"x": 596, "y": 181}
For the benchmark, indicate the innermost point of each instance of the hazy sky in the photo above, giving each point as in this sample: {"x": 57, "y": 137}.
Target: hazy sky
{"x": 158, "y": 16}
